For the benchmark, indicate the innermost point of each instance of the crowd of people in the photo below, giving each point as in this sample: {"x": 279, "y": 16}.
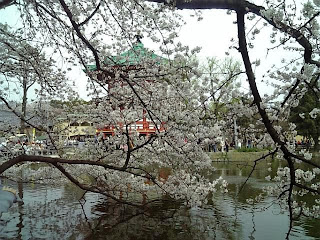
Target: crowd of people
{"x": 304, "y": 143}
{"x": 24, "y": 146}
{"x": 225, "y": 145}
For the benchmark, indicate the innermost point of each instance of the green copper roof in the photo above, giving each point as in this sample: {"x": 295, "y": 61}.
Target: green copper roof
{"x": 91, "y": 68}
{"x": 137, "y": 55}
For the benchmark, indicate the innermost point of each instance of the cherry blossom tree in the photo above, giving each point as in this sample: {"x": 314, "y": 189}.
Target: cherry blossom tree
{"x": 23, "y": 67}
{"x": 305, "y": 33}
{"x": 91, "y": 32}
{"x": 125, "y": 162}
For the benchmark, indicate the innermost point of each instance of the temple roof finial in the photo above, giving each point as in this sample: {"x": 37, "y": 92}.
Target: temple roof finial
{"x": 139, "y": 37}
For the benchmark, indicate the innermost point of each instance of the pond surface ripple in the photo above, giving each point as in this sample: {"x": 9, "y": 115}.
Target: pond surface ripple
{"x": 56, "y": 213}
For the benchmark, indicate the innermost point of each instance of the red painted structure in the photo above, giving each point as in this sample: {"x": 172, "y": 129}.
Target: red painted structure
{"x": 143, "y": 127}
{"x": 130, "y": 60}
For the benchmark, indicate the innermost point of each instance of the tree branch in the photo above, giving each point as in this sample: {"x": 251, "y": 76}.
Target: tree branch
{"x": 91, "y": 15}
{"x": 306, "y": 188}
{"x": 251, "y": 78}
{"x": 91, "y": 189}
{"x": 203, "y": 4}
{"x": 28, "y": 158}
{"x": 6, "y": 3}
{"x": 246, "y": 7}
{"x": 254, "y": 166}
{"x": 80, "y": 35}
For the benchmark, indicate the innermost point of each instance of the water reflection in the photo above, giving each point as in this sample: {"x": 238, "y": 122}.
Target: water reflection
{"x": 45, "y": 213}
{"x": 58, "y": 213}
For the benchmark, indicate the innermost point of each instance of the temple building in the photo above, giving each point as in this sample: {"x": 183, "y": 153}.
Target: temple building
{"x": 136, "y": 60}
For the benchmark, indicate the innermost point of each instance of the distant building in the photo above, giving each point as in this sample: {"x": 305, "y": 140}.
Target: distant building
{"x": 74, "y": 130}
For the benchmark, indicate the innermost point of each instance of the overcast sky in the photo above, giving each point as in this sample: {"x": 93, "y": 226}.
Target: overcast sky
{"x": 213, "y": 34}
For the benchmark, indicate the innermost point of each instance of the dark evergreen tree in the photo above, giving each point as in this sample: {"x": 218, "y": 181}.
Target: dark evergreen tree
{"x": 308, "y": 125}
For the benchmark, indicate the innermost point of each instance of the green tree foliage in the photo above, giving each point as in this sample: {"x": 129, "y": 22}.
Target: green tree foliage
{"x": 68, "y": 104}
{"x": 221, "y": 78}
{"x": 307, "y": 125}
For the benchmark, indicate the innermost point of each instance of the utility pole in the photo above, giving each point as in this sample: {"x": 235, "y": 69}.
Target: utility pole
{"x": 235, "y": 132}
{"x": 24, "y": 97}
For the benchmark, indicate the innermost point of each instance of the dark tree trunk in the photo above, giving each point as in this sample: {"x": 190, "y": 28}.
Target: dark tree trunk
{"x": 316, "y": 142}
{"x": 24, "y": 105}
{"x": 6, "y": 3}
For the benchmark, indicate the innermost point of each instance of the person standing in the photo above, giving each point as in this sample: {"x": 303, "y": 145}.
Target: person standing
{"x": 226, "y": 143}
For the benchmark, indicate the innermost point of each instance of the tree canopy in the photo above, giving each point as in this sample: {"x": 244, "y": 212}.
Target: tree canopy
{"x": 305, "y": 115}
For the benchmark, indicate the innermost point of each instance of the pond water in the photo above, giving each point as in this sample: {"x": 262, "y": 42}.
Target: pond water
{"x": 56, "y": 213}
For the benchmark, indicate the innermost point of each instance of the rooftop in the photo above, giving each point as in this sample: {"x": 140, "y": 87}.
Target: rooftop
{"x": 135, "y": 56}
